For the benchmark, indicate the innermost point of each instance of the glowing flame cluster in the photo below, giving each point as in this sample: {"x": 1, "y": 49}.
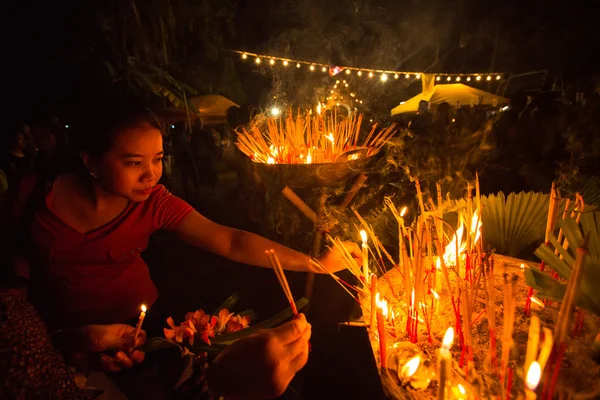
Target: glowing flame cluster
{"x": 457, "y": 240}
{"x": 411, "y": 367}
{"x": 383, "y": 304}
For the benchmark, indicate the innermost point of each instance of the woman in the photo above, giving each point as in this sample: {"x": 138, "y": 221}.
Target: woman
{"x": 16, "y": 159}
{"x": 90, "y": 226}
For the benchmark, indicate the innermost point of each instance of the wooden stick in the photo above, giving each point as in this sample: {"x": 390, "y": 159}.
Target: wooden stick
{"x": 358, "y": 182}
{"x": 300, "y": 204}
{"x": 282, "y": 279}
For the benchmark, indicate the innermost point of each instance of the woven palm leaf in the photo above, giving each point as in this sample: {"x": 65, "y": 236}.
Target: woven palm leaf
{"x": 512, "y": 223}
{"x": 588, "y": 296}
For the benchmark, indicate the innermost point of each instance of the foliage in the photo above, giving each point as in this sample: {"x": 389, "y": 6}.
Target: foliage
{"x": 588, "y": 233}
{"x": 512, "y": 223}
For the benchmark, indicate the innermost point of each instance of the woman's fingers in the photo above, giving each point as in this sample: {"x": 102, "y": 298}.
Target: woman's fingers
{"x": 122, "y": 358}
{"x": 109, "y": 364}
{"x": 137, "y": 356}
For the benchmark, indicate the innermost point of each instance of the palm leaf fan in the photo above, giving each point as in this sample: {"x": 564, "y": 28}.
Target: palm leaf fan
{"x": 588, "y": 296}
{"x": 512, "y": 223}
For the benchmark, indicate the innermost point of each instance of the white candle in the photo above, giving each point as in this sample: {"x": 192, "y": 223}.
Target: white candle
{"x": 365, "y": 255}
{"x": 533, "y": 341}
{"x": 138, "y": 327}
{"x": 445, "y": 363}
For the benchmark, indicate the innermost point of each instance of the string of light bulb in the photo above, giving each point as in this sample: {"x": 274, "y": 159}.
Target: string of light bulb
{"x": 382, "y": 74}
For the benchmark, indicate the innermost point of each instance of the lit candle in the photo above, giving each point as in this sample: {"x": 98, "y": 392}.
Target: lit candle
{"x": 373, "y": 299}
{"x": 138, "y": 327}
{"x": 533, "y": 341}
{"x": 531, "y": 381}
{"x": 365, "y": 253}
{"x": 445, "y": 363}
{"x": 382, "y": 339}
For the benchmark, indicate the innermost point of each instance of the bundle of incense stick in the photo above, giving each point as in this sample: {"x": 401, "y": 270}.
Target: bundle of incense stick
{"x": 306, "y": 139}
{"x": 282, "y": 279}
{"x": 510, "y": 298}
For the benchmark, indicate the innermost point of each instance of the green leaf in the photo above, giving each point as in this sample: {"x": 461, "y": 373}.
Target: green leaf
{"x": 157, "y": 344}
{"x": 229, "y": 303}
{"x": 560, "y": 266}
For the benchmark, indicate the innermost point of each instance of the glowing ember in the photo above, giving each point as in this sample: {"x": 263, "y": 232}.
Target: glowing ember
{"x": 353, "y": 157}
{"x": 533, "y": 375}
{"x": 411, "y": 367}
{"x": 270, "y": 160}
{"x": 308, "y": 158}
{"x": 450, "y": 254}
{"x": 448, "y": 338}
{"x": 403, "y": 211}
{"x": 476, "y": 226}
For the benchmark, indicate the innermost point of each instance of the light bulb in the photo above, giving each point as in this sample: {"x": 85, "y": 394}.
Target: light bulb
{"x": 407, "y": 76}
{"x": 395, "y": 76}
{"x": 244, "y": 56}
{"x": 448, "y": 79}
{"x": 370, "y": 74}
{"x": 468, "y": 78}
{"x": 359, "y": 73}
{"x": 498, "y": 77}
{"x": 489, "y": 78}
{"x": 437, "y": 78}
{"x": 324, "y": 69}
{"x": 271, "y": 61}
{"x": 312, "y": 67}
{"x": 458, "y": 79}
{"x": 478, "y": 78}
{"x": 285, "y": 63}
{"x": 348, "y": 72}
{"x": 418, "y": 76}
{"x": 383, "y": 77}
{"x": 257, "y": 60}
{"x": 297, "y": 65}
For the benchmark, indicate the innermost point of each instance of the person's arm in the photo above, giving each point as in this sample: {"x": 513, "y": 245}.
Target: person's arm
{"x": 249, "y": 248}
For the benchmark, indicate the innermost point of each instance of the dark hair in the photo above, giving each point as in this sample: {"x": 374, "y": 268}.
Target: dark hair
{"x": 94, "y": 130}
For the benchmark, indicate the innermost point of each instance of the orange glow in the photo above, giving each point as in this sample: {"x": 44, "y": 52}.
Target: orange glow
{"x": 411, "y": 367}
{"x": 448, "y": 338}
{"x": 450, "y": 254}
{"x": 270, "y": 160}
{"x": 383, "y": 304}
{"x": 476, "y": 226}
{"x": 533, "y": 375}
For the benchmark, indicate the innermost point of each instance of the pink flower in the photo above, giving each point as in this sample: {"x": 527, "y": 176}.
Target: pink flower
{"x": 237, "y": 323}
{"x": 185, "y": 330}
{"x": 222, "y": 320}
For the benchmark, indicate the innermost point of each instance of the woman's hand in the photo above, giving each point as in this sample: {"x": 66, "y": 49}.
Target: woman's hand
{"x": 261, "y": 366}
{"x": 116, "y": 345}
{"x": 334, "y": 260}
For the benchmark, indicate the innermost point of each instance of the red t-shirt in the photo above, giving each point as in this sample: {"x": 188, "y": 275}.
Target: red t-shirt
{"x": 99, "y": 277}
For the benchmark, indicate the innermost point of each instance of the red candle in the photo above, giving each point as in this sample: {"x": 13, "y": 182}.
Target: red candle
{"x": 382, "y": 340}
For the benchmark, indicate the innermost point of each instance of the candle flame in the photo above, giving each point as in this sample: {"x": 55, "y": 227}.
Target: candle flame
{"x": 537, "y": 301}
{"x": 533, "y": 375}
{"x": 412, "y": 298}
{"x": 461, "y": 389}
{"x": 476, "y": 226}
{"x": 143, "y": 308}
{"x": 270, "y": 160}
{"x": 383, "y": 304}
{"x": 450, "y": 254}
{"x": 403, "y": 211}
{"x": 448, "y": 338}
{"x": 434, "y": 293}
{"x": 308, "y": 158}
{"x": 330, "y": 137}
{"x": 363, "y": 236}
{"x": 522, "y": 266}
{"x": 411, "y": 367}
{"x": 319, "y": 109}
{"x": 438, "y": 264}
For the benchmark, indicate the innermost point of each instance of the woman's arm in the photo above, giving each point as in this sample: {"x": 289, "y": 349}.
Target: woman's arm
{"x": 249, "y": 248}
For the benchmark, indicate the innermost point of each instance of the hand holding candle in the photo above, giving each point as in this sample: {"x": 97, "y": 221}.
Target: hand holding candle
{"x": 138, "y": 327}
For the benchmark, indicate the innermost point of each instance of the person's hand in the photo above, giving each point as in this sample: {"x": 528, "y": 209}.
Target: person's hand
{"x": 116, "y": 344}
{"x": 334, "y": 260}
{"x": 261, "y": 366}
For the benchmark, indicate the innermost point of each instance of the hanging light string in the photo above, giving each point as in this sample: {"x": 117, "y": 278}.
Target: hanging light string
{"x": 381, "y": 74}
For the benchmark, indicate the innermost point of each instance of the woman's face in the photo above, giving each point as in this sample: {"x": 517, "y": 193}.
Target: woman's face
{"x": 134, "y": 165}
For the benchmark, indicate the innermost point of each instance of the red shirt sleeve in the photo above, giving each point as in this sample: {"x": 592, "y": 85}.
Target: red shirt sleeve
{"x": 168, "y": 210}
